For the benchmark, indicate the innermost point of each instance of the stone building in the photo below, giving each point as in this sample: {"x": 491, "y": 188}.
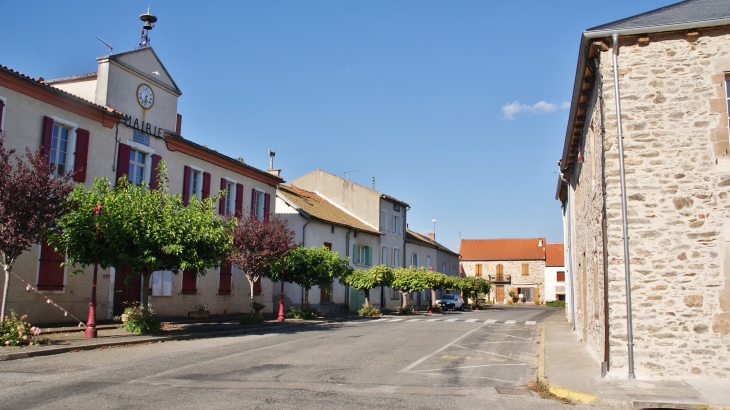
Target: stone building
{"x": 514, "y": 266}
{"x": 673, "y": 67}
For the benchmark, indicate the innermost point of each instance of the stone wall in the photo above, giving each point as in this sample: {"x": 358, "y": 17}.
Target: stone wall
{"x": 514, "y": 269}
{"x": 675, "y": 125}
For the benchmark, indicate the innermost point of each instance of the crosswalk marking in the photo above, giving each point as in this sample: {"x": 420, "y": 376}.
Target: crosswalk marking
{"x": 530, "y": 322}
{"x": 510, "y": 322}
{"x": 433, "y": 320}
{"x": 413, "y": 320}
{"x": 471, "y": 320}
{"x": 380, "y": 320}
{"x": 450, "y": 320}
{"x": 492, "y": 321}
{"x": 396, "y": 320}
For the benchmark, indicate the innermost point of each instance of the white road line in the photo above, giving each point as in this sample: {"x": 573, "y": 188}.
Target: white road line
{"x": 451, "y": 320}
{"x": 378, "y": 320}
{"x": 471, "y": 367}
{"x": 424, "y": 358}
{"x": 516, "y": 337}
{"x": 509, "y": 322}
{"x": 492, "y": 321}
{"x": 493, "y": 354}
{"x": 395, "y": 320}
{"x": 530, "y": 322}
{"x": 433, "y": 320}
{"x": 471, "y": 320}
{"x": 413, "y": 320}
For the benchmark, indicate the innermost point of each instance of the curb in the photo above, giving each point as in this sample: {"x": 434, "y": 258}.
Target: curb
{"x": 557, "y": 390}
{"x": 153, "y": 339}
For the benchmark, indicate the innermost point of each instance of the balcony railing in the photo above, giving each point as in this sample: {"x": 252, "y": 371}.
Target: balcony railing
{"x": 500, "y": 278}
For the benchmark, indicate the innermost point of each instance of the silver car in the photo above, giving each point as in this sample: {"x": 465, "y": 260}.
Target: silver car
{"x": 452, "y": 302}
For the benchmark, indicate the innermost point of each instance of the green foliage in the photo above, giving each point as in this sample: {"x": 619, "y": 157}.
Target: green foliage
{"x": 555, "y": 303}
{"x": 405, "y": 310}
{"x": 144, "y": 229}
{"x": 411, "y": 279}
{"x": 309, "y": 267}
{"x": 436, "y": 308}
{"x": 139, "y": 322}
{"x": 251, "y": 320}
{"x": 365, "y": 280}
{"x": 369, "y": 311}
{"x": 15, "y": 331}
{"x": 304, "y": 312}
{"x": 473, "y": 287}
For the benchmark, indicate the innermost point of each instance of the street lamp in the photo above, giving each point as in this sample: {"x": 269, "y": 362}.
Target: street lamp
{"x": 90, "y": 331}
{"x": 434, "y": 229}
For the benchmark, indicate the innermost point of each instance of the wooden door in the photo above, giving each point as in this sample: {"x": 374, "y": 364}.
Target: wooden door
{"x": 499, "y": 295}
{"x": 125, "y": 294}
{"x": 324, "y": 297}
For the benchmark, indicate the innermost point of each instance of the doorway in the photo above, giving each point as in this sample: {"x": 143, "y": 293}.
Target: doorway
{"x": 125, "y": 294}
{"x": 499, "y": 294}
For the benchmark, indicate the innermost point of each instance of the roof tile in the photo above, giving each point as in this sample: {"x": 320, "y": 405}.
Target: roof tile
{"x": 502, "y": 249}
{"x": 555, "y": 255}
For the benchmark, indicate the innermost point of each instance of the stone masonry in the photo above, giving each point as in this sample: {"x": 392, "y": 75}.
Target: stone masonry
{"x": 514, "y": 269}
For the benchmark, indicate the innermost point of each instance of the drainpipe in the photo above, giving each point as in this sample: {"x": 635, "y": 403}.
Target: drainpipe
{"x": 304, "y": 236}
{"x": 629, "y": 327}
{"x": 569, "y": 210}
{"x": 347, "y": 253}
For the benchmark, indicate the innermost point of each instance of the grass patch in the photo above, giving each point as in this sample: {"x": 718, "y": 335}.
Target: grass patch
{"x": 543, "y": 389}
{"x": 251, "y": 320}
{"x": 555, "y": 303}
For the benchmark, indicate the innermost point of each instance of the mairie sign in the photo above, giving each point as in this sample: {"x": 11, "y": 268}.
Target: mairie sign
{"x": 145, "y": 127}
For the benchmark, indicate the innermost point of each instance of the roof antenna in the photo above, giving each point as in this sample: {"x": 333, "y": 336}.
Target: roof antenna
{"x": 111, "y": 49}
{"x": 148, "y": 19}
{"x": 347, "y": 173}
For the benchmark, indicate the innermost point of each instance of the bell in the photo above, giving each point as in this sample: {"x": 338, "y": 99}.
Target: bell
{"x": 147, "y": 25}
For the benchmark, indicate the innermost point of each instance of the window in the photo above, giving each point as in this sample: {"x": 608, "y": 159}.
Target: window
{"x": 394, "y": 294}
{"x": 396, "y": 224}
{"x": 230, "y": 198}
{"x": 428, "y": 261}
{"x": 61, "y": 140}
{"x": 361, "y": 255}
{"x": 500, "y": 273}
{"x": 328, "y": 245}
{"x": 443, "y": 268}
{"x": 257, "y": 204}
{"x": 224, "y": 283}
{"x": 478, "y": 270}
{"x": 384, "y": 255}
{"x": 427, "y": 294}
{"x": 51, "y": 275}
{"x": 162, "y": 283}
{"x": 189, "y": 282}
{"x": 332, "y": 229}
{"x": 414, "y": 259}
{"x": 3, "y": 103}
{"x": 453, "y": 271}
{"x": 525, "y": 269}
{"x": 257, "y": 287}
{"x": 561, "y": 276}
{"x": 137, "y": 165}
{"x": 396, "y": 207}
{"x": 196, "y": 184}
{"x": 396, "y": 258}
{"x": 325, "y": 292}
{"x": 383, "y": 220}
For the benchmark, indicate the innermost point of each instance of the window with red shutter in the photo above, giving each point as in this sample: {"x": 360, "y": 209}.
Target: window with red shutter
{"x": 267, "y": 204}
{"x": 186, "y": 185}
{"x": 81, "y": 155}
{"x": 123, "y": 160}
{"x": 561, "y": 277}
{"x": 328, "y": 245}
{"x": 47, "y": 137}
{"x": 253, "y": 202}
{"x": 222, "y": 201}
{"x": 50, "y": 272}
{"x": 239, "y": 200}
{"x": 154, "y": 183}
{"x": 257, "y": 287}
{"x": 2, "y": 112}
{"x": 189, "y": 282}
{"x": 206, "y": 185}
{"x": 224, "y": 287}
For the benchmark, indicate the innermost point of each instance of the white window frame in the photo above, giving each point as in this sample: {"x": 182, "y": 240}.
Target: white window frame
{"x": 199, "y": 171}
{"x": 5, "y": 111}
{"x": 71, "y": 153}
{"x": 396, "y": 258}
{"x": 414, "y": 259}
{"x": 396, "y": 224}
{"x": 384, "y": 220}
{"x": 361, "y": 251}
{"x": 443, "y": 268}
{"x": 428, "y": 261}
{"x": 230, "y": 201}
{"x": 158, "y": 280}
{"x": 259, "y": 211}
{"x": 38, "y": 273}
{"x": 384, "y": 255}
{"x": 394, "y": 294}
{"x": 148, "y": 158}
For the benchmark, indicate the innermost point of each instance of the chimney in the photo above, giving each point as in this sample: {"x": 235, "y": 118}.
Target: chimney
{"x": 272, "y": 171}
{"x": 178, "y": 125}
{"x": 539, "y": 242}
{"x": 432, "y": 235}
{"x": 373, "y": 183}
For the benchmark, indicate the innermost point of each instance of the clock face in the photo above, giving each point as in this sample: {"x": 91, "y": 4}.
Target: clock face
{"x": 145, "y": 96}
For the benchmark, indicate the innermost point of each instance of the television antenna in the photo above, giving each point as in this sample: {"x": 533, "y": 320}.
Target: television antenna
{"x": 111, "y": 49}
{"x": 347, "y": 173}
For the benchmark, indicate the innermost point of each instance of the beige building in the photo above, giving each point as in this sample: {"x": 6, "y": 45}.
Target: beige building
{"x": 672, "y": 68}
{"x": 122, "y": 120}
{"x": 515, "y": 267}
{"x": 425, "y": 252}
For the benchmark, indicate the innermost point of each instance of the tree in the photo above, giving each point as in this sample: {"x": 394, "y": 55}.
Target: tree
{"x": 472, "y": 287}
{"x": 257, "y": 245}
{"x": 309, "y": 267}
{"x": 407, "y": 280}
{"x": 144, "y": 229}
{"x": 30, "y": 203}
{"x": 436, "y": 280}
{"x": 365, "y": 280}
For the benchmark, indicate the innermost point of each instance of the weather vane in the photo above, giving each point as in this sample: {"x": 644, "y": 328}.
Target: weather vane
{"x": 148, "y": 19}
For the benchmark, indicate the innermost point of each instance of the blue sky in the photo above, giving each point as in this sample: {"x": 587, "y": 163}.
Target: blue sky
{"x": 456, "y": 107}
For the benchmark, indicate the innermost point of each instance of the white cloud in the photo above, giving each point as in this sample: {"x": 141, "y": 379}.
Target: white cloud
{"x": 541, "y": 107}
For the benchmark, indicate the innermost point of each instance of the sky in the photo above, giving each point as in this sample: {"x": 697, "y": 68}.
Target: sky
{"x": 458, "y": 108}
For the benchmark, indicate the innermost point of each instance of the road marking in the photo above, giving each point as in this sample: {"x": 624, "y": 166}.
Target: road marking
{"x": 494, "y": 354}
{"x": 428, "y": 356}
{"x": 432, "y": 320}
{"x": 413, "y": 320}
{"x": 509, "y": 322}
{"x": 471, "y": 320}
{"x": 378, "y": 320}
{"x": 451, "y": 320}
{"x": 516, "y": 337}
{"x": 395, "y": 320}
{"x": 471, "y": 367}
{"x": 492, "y": 321}
{"x": 530, "y": 322}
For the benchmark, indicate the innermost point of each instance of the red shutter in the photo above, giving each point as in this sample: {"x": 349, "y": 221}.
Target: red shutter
{"x": 2, "y": 110}
{"x": 206, "y": 185}
{"x": 257, "y": 287}
{"x": 224, "y": 288}
{"x": 253, "y": 202}
{"x": 154, "y": 183}
{"x": 123, "y": 160}
{"x": 82, "y": 153}
{"x": 189, "y": 282}
{"x": 561, "y": 277}
{"x": 267, "y": 204}
{"x": 222, "y": 201}
{"x": 328, "y": 245}
{"x": 47, "y": 138}
{"x": 186, "y": 185}
{"x": 50, "y": 272}
{"x": 239, "y": 200}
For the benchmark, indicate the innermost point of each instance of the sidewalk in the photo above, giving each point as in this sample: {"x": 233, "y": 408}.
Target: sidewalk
{"x": 572, "y": 372}
{"x": 68, "y": 339}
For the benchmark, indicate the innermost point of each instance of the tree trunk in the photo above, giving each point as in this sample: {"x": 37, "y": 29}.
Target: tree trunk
{"x": 6, "y": 269}
{"x": 146, "y": 276}
{"x": 433, "y": 298}
{"x": 306, "y": 297}
{"x": 404, "y": 299}
{"x": 251, "y": 281}
{"x": 367, "y": 298}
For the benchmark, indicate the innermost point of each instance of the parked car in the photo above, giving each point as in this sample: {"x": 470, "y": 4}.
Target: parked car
{"x": 452, "y": 302}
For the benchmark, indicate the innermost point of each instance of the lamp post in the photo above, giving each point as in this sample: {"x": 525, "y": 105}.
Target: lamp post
{"x": 90, "y": 331}
{"x": 434, "y": 229}
{"x": 281, "y": 295}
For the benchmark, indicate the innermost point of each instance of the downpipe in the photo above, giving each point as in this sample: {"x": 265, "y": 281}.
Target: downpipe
{"x": 570, "y": 253}
{"x": 629, "y": 325}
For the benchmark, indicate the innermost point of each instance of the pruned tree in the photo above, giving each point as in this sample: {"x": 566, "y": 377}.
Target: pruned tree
{"x": 31, "y": 198}
{"x": 407, "y": 280}
{"x": 144, "y": 229}
{"x": 436, "y": 280}
{"x": 365, "y": 280}
{"x": 471, "y": 287}
{"x": 257, "y": 245}
{"x": 309, "y": 267}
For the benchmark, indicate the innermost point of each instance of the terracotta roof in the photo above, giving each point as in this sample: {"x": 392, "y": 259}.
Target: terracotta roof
{"x": 554, "y": 255}
{"x": 502, "y": 249}
{"x": 320, "y": 208}
{"x": 415, "y": 237}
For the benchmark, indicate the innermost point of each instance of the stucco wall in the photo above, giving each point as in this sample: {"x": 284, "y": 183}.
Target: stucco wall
{"x": 551, "y": 281}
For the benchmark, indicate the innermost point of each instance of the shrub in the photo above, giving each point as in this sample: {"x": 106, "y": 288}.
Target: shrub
{"x": 436, "y": 309}
{"x": 136, "y": 321}
{"x": 304, "y": 312}
{"x": 251, "y": 320}
{"x": 555, "y": 303}
{"x": 510, "y": 302}
{"x": 202, "y": 307}
{"x": 16, "y": 331}
{"x": 371, "y": 311}
{"x": 405, "y": 310}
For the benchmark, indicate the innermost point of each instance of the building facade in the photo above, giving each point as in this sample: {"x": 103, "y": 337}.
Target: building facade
{"x": 425, "y": 252}
{"x": 554, "y": 272}
{"x": 673, "y": 68}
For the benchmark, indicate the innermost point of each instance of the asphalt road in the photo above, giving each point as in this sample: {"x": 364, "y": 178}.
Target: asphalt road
{"x": 458, "y": 360}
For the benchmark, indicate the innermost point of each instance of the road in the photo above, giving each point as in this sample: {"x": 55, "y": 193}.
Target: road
{"x": 458, "y": 360}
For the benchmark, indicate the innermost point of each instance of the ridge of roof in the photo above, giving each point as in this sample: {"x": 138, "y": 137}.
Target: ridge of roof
{"x": 336, "y": 205}
{"x": 40, "y": 82}
{"x": 382, "y": 195}
{"x": 72, "y": 78}
{"x": 428, "y": 241}
{"x": 503, "y": 249}
{"x": 687, "y": 11}
{"x": 115, "y": 58}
